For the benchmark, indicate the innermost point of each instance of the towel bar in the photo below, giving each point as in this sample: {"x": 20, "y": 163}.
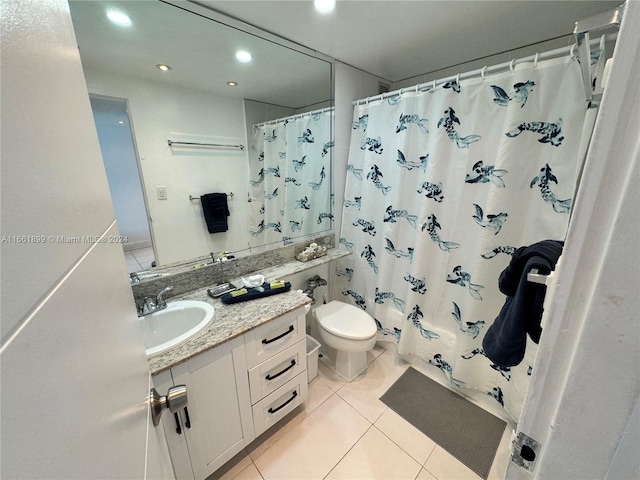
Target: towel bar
{"x": 191, "y": 197}
{"x": 198, "y": 144}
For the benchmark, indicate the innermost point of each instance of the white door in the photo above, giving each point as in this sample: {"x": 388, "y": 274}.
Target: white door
{"x": 75, "y": 378}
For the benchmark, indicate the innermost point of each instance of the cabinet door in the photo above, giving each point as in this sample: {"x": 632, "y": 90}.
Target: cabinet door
{"x": 219, "y": 407}
{"x": 174, "y": 431}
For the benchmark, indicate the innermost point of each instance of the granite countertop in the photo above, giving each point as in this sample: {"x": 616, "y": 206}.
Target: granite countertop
{"x": 229, "y": 321}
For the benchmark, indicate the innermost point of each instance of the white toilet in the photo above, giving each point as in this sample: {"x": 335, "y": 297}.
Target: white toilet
{"x": 350, "y": 333}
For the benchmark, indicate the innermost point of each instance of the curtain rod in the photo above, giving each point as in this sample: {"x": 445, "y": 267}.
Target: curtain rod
{"x": 292, "y": 117}
{"x": 423, "y": 87}
{"x": 582, "y": 30}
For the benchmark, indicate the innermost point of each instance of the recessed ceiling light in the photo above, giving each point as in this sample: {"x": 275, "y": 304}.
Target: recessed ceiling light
{"x": 119, "y": 18}
{"x": 163, "y": 67}
{"x": 324, "y": 6}
{"x": 232, "y": 84}
{"x": 120, "y": 122}
{"x": 243, "y": 56}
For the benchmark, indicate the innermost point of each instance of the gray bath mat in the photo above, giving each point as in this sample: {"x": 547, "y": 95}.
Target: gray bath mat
{"x": 466, "y": 431}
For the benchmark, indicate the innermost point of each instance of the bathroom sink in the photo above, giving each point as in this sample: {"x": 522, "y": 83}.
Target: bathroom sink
{"x": 174, "y": 325}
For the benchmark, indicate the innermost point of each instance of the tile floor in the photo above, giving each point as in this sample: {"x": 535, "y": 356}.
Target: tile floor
{"x": 343, "y": 431}
{"x": 139, "y": 259}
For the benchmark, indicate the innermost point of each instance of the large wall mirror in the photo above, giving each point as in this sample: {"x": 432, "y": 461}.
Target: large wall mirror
{"x": 179, "y": 116}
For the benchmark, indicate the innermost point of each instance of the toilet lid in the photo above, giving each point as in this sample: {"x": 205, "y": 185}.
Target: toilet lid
{"x": 344, "y": 320}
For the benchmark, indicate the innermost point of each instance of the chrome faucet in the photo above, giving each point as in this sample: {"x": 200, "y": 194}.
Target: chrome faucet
{"x": 151, "y": 306}
{"x": 160, "y": 301}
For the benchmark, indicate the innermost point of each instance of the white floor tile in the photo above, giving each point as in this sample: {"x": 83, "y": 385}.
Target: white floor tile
{"x": 144, "y": 256}
{"x": 445, "y": 466}
{"x": 330, "y": 378}
{"x": 132, "y": 263}
{"x": 133, "y": 267}
{"x": 408, "y": 437}
{"x": 318, "y": 394}
{"x": 425, "y": 475}
{"x": 249, "y": 473}
{"x": 375, "y": 457}
{"x": 265, "y": 441}
{"x": 331, "y": 436}
{"x": 364, "y": 392}
{"x": 374, "y": 353}
{"x": 140, "y": 252}
{"x": 232, "y": 468}
{"x": 315, "y": 445}
{"x": 503, "y": 456}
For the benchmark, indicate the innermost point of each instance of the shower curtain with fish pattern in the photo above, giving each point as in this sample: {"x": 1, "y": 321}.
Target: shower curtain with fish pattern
{"x": 442, "y": 187}
{"x": 289, "y": 183}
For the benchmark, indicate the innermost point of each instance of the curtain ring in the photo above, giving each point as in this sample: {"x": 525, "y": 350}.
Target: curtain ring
{"x": 367, "y": 100}
{"x": 483, "y": 72}
{"x": 602, "y": 41}
{"x": 512, "y": 64}
{"x": 535, "y": 60}
{"x": 572, "y": 51}
{"x": 417, "y": 87}
{"x": 458, "y": 79}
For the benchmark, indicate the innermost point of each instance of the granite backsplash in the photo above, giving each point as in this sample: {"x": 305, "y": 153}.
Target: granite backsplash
{"x": 186, "y": 278}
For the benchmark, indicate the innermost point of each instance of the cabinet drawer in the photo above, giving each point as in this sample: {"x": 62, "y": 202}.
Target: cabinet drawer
{"x": 276, "y": 371}
{"x": 275, "y": 406}
{"x": 273, "y": 337}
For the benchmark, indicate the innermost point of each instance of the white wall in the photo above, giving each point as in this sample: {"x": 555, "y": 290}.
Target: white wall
{"x": 487, "y": 61}
{"x": 159, "y": 113}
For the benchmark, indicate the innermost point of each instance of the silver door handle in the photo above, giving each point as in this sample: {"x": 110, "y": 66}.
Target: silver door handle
{"x": 174, "y": 400}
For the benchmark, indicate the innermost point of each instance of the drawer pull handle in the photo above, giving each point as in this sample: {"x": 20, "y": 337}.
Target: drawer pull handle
{"x": 274, "y": 410}
{"x": 178, "y": 429}
{"x": 291, "y": 329}
{"x": 187, "y": 423}
{"x": 271, "y": 377}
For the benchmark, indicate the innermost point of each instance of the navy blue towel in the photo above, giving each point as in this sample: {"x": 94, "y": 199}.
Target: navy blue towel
{"x": 216, "y": 211}
{"x": 505, "y": 341}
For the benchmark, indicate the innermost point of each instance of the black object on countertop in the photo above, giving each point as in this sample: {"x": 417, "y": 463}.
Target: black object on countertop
{"x": 264, "y": 290}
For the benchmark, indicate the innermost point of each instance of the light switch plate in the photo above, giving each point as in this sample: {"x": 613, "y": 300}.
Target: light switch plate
{"x": 161, "y": 192}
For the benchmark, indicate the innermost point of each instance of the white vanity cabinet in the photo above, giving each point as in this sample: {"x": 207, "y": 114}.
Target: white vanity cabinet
{"x": 277, "y": 363}
{"x": 235, "y": 392}
{"x": 217, "y": 422}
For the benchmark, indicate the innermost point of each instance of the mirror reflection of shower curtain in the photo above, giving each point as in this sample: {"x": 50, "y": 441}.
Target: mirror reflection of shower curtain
{"x": 289, "y": 178}
{"x": 442, "y": 187}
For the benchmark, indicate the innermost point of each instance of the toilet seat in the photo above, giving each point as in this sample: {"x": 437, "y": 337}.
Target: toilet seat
{"x": 345, "y": 321}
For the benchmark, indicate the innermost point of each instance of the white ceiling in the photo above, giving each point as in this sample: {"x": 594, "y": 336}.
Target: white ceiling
{"x": 201, "y": 53}
{"x": 398, "y": 39}
{"x": 393, "y": 39}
